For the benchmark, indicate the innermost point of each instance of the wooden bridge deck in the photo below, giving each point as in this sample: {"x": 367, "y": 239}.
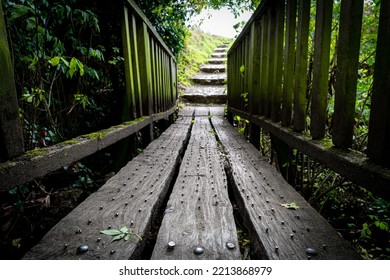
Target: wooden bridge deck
{"x": 192, "y": 165}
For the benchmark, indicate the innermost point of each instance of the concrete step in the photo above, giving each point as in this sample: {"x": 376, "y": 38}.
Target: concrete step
{"x": 217, "y": 60}
{"x": 221, "y": 50}
{"x": 205, "y": 94}
{"x": 209, "y": 79}
{"x": 213, "y": 68}
{"x": 218, "y": 55}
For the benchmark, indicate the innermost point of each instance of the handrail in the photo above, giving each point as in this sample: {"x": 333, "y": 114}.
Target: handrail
{"x": 151, "y": 94}
{"x": 268, "y": 78}
{"x": 151, "y": 69}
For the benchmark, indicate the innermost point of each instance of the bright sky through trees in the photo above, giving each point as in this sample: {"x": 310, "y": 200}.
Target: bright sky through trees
{"x": 219, "y": 22}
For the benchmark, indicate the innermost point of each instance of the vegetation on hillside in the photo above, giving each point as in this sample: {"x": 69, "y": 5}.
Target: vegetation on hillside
{"x": 198, "y": 48}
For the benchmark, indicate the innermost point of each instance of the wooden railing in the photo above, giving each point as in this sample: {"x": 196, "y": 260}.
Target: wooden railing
{"x": 268, "y": 85}
{"x": 151, "y": 94}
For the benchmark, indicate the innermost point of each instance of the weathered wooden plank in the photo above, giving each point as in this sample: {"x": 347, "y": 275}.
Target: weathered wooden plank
{"x": 154, "y": 75}
{"x": 38, "y": 163}
{"x": 278, "y": 53}
{"x": 145, "y": 68}
{"x": 254, "y": 81}
{"x": 136, "y": 64}
{"x": 264, "y": 65}
{"x": 131, "y": 198}
{"x": 319, "y": 94}
{"x": 199, "y": 213}
{"x": 11, "y": 135}
{"x": 289, "y": 62}
{"x": 276, "y": 232}
{"x": 347, "y": 72}
{"x": 129, "y": 111}
{"x": 379, "y": 129}
{"x": 301, "y": 66}
{"x": 271, "y": 38}
{"x": 352, "y": 165}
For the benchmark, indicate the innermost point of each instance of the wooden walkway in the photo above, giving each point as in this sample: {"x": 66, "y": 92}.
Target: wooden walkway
{"x": 187, "y": 174}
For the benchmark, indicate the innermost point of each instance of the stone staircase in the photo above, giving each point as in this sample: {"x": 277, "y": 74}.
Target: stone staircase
{"x": 209, "y": 83}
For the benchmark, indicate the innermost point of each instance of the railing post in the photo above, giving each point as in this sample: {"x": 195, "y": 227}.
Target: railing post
{"x": 271, "y": 59}
{"x": 129, "y": 109}
{"x": 319, "y": 95}
{"x": 254, "y": 80}
{"x": 145, "y": 76}
{"x": 264, "y": 64}
{"x": 347, "y": 72}
{"x": 379, "y": 129}
{"x": 301, "y": 66}
{"x": 288, "y": 76}
{"x": 11, "y": 135}
{"x": 278, "y": 60}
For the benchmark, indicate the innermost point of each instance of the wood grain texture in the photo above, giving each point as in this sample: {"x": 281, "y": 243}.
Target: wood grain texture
{"x": 199, "y": 212}
{"x": 131, "y": 198}
{"x": 260, "y": 190}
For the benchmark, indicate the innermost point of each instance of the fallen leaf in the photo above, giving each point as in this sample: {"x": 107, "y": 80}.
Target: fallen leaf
{"x": 292, "y": 205}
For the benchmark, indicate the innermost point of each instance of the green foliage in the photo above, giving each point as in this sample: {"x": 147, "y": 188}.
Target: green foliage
{"x": 124, "y": 232}
{"x": 170, "y": 17}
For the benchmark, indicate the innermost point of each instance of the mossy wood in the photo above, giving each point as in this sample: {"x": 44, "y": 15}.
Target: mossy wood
{"x": 37, "y": 163}
{"x": 11, "y": 137}
{"x": 132, "y": 198}
{"x": 266, "y": 22}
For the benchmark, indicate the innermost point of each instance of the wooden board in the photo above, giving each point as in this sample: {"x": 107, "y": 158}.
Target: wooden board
{"x": 199, "y": 213}
{"x": 276, "y": 231}
{"x": 131, "y": 198}
{"x": 38, "y": 163}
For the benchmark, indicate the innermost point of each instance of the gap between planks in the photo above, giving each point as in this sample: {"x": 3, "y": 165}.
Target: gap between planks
{"x": 276, "y": 232}
{"x": 131, "y": 198}
{"x": 199, "y": 212}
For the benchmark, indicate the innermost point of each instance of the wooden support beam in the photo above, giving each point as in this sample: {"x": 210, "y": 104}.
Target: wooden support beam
{"x": 301, "y": 66}
{"x": 379, "y": 129}
{"x": 319, "y": 93}
{"x": 347, "y": 72}
{"x": 11, "y": 135}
